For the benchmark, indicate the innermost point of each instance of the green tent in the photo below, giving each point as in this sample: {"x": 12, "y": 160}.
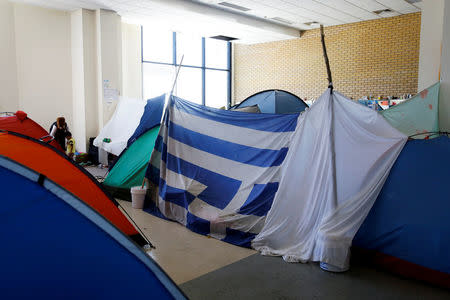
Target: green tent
{"x": 129, "y": 170}
{"x": 418, "y": 115}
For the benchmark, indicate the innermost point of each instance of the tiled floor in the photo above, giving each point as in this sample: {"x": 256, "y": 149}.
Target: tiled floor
{"x": 206, "y": 268}
{"x": 183, "y": 254}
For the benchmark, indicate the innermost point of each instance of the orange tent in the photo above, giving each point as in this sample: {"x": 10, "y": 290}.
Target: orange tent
{"x": 20, "y": 123}
{"x": 53, "y": 164}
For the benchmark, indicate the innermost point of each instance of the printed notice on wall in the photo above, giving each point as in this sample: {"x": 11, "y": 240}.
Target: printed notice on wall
{"x": 109, "y": 94}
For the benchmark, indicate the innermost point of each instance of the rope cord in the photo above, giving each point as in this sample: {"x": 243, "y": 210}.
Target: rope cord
{"x": 430, "y": 133}
{"x": 137, "y": 227}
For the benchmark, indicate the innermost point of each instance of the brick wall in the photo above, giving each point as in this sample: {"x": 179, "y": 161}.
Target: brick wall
{"x": 379, "y": 57}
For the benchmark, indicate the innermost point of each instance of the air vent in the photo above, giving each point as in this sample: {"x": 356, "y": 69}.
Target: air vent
{"x": 281, "y": 20}
{"x": 381, "y": 11}
{"x": 234, "y": 6}
{"x": 223, "y": 38}
{"x": 313, "y": 23}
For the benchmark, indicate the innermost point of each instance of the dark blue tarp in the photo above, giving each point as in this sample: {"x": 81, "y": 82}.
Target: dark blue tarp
{"x": 150, "y": 118}
{"x": 56, "y": 247}
{"x": 275, "y": 102}
{"x": 410, "y": 220}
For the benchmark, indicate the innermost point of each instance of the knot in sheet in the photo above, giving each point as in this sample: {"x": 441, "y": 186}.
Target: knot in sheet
{"x": 339, "y": 158}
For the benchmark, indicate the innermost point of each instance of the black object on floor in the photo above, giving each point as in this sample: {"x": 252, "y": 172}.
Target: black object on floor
{"x": 93, "y": 151}
{"x": 262, "y": 277}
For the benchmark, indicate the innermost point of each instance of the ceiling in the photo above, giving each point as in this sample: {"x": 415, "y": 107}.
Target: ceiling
{"x": 298, "y": 13}
{"x": 251, "y": 21}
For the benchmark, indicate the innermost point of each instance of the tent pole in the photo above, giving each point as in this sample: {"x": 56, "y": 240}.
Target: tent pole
{"x": 176, "y": 76}
{"x": 171, "y": 92}
{"x": 325, "y": 55}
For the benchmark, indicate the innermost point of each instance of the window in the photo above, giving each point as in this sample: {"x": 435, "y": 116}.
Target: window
{"x": 216, "y": 88}
{"x": 158, "y": 79}
{"x": 189, "y": 84}
{"x": 191, "y": 47}
{"x": 158, "y": 46}
{"x": 216, "y": 54}
{"x": 205, "y": 73}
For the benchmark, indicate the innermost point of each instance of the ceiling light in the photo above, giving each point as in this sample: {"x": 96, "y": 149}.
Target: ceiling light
{"x": 234, "y": 6}
{"x": 379, "y": 12}
{"x": 223, "y": 38}
{"x": 281, "y": 20}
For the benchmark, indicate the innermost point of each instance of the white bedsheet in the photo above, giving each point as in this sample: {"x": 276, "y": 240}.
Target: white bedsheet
{"x": 339, "y": 159}
{"x": 121, "y": 126}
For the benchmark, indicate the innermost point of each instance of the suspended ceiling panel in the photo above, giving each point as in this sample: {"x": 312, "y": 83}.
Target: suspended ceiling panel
{"x": 251, "y": 21}
{"x": 300, "y": 13}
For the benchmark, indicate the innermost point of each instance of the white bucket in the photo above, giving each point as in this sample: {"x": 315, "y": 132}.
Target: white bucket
{"x": 138, "y": 196}
{"x": 334, "y": 269}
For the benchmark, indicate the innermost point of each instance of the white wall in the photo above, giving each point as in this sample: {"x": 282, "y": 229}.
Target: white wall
{"x": 109, "y": 59}
{"x": 90, "y": 75}
{"x": 54, "y": 62}
{"x": 79, "y": 107}
{"x": 84, "y": 88}
{"x": 430, "y": 42}
{"x": 444, "y": 97}
{"x": 43, "y": 50}
{"x": 131, "y": 61}
{"x": 9, "y": 94}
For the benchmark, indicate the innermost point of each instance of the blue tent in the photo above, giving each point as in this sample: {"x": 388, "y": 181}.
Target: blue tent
{"x": 409, "y": 221}
{"x": 150, "y": 118}
{"x": 55, "y": 246}
{"x": 275, "y": 102}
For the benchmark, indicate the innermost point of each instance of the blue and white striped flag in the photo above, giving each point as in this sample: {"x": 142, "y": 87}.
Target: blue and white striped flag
{"x": 218, "y": 171}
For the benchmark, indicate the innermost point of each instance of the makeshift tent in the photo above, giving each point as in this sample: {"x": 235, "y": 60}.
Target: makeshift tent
{"x": 55, "y": 246}
{"x": 20, "y": 122}
{"x": 420, "y": 114}
{"x": 251, "y": 109}
{"x": 129, "y": 170}
{"x": 321, "y": 202}
{"x": 408, "y": 227}
{"x": 114, "y": 136}
{"x": 218, "y": 170}
{"x": 274, "y": 102}
{"x": 150, "y": 118}
{"x": 53, "y": 164}
{"x": 339, "y": 158}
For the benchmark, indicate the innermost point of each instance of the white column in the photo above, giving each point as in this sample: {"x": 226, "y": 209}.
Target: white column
{"x": 131, "y": 61}
{"x": 90, "y": 73}
{"x": 84, "y": 88}
{"x": 444, "y": 96}
{"x": 109, "y": 61}
{"x": 430, "y": 42}
{"x": 9, "y": 95}
{"x": 79, "y": 109}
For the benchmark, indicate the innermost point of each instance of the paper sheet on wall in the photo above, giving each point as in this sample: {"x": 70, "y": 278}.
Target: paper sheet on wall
{"x": 110, "y": 95}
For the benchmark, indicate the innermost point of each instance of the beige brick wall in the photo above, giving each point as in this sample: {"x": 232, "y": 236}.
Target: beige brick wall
{"x": 379, "y": 57}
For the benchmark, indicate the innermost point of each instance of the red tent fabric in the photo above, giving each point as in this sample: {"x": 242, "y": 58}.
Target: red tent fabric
{"x": 20, "y": 123}
{"x": 45, "y": 160}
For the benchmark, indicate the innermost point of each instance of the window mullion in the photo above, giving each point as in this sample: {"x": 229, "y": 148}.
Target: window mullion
{"x": 229, "y": 75}
{"x": 203, "y": 72}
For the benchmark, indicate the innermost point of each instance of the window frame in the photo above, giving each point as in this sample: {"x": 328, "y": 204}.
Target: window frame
{"x": 203, "y": 67}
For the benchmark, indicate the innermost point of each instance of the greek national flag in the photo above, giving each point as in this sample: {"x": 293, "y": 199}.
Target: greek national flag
{"x": 217, "y": 171}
